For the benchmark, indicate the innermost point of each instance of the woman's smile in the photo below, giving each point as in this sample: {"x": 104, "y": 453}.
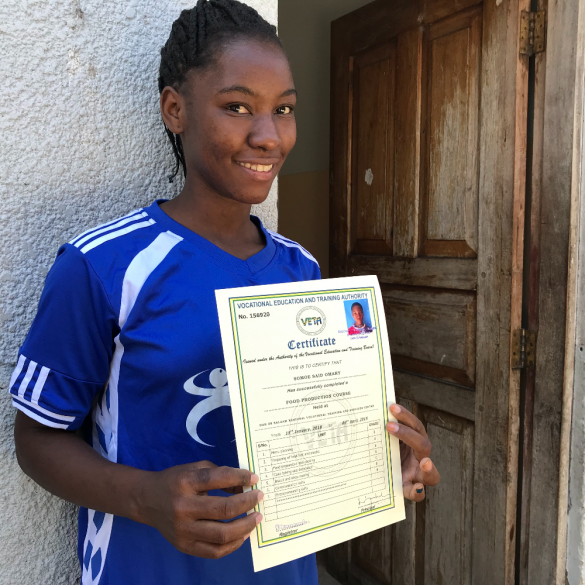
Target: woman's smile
{"x": 257, "y": 171}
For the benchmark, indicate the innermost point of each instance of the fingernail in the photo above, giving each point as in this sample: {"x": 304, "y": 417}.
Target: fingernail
{"x": 254, "y": 478}
{"x": 259, "y": 519}
{"x": 428, "y": 465}
{"x": 419, "y": 490}
{"x": 392, "y": 427}
{"x": 395, "y": 409}
{"x": 260, "y": 496}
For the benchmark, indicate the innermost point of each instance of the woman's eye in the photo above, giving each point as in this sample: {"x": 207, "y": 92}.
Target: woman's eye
{"x": 284, "y": 110}
{"x": 238, "y": 109}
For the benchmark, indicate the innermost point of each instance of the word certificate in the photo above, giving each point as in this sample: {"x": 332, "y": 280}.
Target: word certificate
{"x": 310, "y": 382}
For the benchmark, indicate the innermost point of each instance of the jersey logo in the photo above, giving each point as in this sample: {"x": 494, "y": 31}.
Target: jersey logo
{"x": 218, "y": 396}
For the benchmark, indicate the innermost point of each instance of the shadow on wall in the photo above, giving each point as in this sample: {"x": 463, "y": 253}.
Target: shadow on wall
{"x": 303, "y": 213}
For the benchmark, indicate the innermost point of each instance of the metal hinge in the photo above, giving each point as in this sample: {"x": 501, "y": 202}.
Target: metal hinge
{"x": 523, "y": 349}
{"x": 532, "y": 32}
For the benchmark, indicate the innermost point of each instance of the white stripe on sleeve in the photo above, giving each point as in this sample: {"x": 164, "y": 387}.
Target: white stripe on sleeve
{"x": 103, "y": 225}
{"x": 17, "y": 370}
{"x": 40, "y": 410}
{"x": 112, "y": 235}
{"x": 40, "y": 383}
{"x": 111, "y": 227}
{"x": 39, "y": 418}
{"x": 32, "y": 366}
{"x": 290, "y": 244}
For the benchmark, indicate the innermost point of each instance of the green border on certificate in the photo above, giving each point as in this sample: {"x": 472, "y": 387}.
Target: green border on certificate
{"x": 250, "y": 451}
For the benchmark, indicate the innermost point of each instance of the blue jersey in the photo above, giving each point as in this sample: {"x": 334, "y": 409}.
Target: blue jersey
{"x": 127, "y": 331}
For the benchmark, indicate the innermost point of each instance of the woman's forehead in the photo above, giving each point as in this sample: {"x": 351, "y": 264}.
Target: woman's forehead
{"x": 256, "y": 67}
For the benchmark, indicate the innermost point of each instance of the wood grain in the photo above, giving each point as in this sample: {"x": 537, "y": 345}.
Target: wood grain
{"x": 372, "y": 92}
{"x": 424, "y": 391}
{"x": 446, "y": 273}
{"x": 493, "y": 536}
{"x": 449, "y": 199}
{"x": 407, "y": 143}
{"x": 448, "y": 520}
{"x": 446, "y": 350}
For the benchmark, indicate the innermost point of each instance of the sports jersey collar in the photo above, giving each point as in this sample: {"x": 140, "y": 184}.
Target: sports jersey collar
{"x": 251, "y": 266}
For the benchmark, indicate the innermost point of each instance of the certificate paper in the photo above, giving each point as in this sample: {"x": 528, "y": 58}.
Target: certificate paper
{"x": 310, "y": 382}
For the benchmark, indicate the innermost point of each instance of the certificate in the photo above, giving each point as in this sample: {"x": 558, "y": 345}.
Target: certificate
{"x": 310, "y": 382}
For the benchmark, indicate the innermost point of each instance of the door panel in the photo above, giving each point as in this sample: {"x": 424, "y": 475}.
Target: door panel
{"x": 451, "y": 68}
{"x": 423, "y": 192}
{"x": 447, "y": 349}
{"x": 448, "y": 520}
{"x": 373, "y": 120}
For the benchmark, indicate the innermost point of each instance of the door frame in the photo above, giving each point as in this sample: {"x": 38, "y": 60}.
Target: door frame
{"x": 552, "y": 254}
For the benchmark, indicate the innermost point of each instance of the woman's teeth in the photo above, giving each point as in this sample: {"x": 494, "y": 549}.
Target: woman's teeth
{"x": 260, "y": 168}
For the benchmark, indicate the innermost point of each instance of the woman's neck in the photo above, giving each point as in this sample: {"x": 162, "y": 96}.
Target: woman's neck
{"x": 222, "y": 221}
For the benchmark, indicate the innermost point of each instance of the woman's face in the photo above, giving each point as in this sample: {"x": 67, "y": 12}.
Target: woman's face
{"x": 358, "y": 316}
{"x": 238, "y": 122}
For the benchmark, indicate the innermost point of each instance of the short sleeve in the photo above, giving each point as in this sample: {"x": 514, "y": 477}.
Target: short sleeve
{"x": 315, "y": 270}
{"x": 65, "y": 359}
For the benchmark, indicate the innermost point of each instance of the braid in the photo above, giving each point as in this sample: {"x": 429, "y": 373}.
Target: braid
{"x": 195, "y": 38}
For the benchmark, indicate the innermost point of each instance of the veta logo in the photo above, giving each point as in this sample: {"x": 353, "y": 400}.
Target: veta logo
{"x": 311, "y": 320}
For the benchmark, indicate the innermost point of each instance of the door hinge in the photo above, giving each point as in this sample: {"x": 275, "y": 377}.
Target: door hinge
{"x": 523, "y": 350}
{"x": 532, "y": 32}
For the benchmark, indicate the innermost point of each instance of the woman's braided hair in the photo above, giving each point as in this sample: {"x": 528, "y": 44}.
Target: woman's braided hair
{"x": 193, "y": 43}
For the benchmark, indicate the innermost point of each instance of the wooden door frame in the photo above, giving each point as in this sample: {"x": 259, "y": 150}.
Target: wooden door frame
{"x": 555, "y": 184}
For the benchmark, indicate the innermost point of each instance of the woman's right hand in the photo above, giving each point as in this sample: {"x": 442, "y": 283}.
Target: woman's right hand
{"x": 176, "y": 503}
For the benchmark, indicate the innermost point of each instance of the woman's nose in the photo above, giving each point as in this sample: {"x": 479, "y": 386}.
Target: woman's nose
{"x": 264, "y": 134}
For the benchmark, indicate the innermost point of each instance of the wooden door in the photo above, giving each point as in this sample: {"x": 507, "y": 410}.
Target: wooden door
{"x": 428, "y": 155}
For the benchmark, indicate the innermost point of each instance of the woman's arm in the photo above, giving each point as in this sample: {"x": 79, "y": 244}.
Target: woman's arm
{"x": 174, "y": 501}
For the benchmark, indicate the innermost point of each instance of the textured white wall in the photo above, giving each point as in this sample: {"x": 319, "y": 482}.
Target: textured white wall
{"x": 81, "y": 143}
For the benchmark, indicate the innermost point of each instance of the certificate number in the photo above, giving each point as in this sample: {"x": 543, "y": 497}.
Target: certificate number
{"x": 254, "y": 315}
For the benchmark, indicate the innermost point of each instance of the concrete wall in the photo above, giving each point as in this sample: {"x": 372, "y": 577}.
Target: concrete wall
{"x": 82, "y": 142}
{"x": 305, "y": 30}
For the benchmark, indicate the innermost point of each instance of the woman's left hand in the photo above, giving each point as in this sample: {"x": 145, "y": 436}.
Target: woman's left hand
{"x": 418, "y": 470}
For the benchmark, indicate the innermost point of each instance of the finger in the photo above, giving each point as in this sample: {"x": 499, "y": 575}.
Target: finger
{"x": 218, "y": 478}
{"x": 414, "y": 491}
{"x": 420, "y": 444}
{"x": 209, "y": 550}
{"x": 234, "y": 490}
{"x": 226, "y": 532}
{"x": 427, "y": 473}
{"x": 218, "y": 508}
{"x": 406, "y": 417}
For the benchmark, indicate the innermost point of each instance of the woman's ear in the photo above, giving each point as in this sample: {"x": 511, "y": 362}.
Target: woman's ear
{"x": 172, "y": 109}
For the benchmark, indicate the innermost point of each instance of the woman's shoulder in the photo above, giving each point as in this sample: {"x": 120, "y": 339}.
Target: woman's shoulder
{"x": 295, "y": 257}
{"x": 292, "y": 247}
{"x": 119, "y": 246}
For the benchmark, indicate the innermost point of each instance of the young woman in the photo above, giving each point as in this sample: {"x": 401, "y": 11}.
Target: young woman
{"x": 127, "y": 331}
{"x": 358, "y": 327}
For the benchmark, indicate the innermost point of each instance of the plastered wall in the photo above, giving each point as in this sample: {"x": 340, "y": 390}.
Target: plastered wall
{"x": 81, "y": 143}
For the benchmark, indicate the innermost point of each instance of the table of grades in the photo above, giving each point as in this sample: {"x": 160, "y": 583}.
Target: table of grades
{"x": 346, "y": 467}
